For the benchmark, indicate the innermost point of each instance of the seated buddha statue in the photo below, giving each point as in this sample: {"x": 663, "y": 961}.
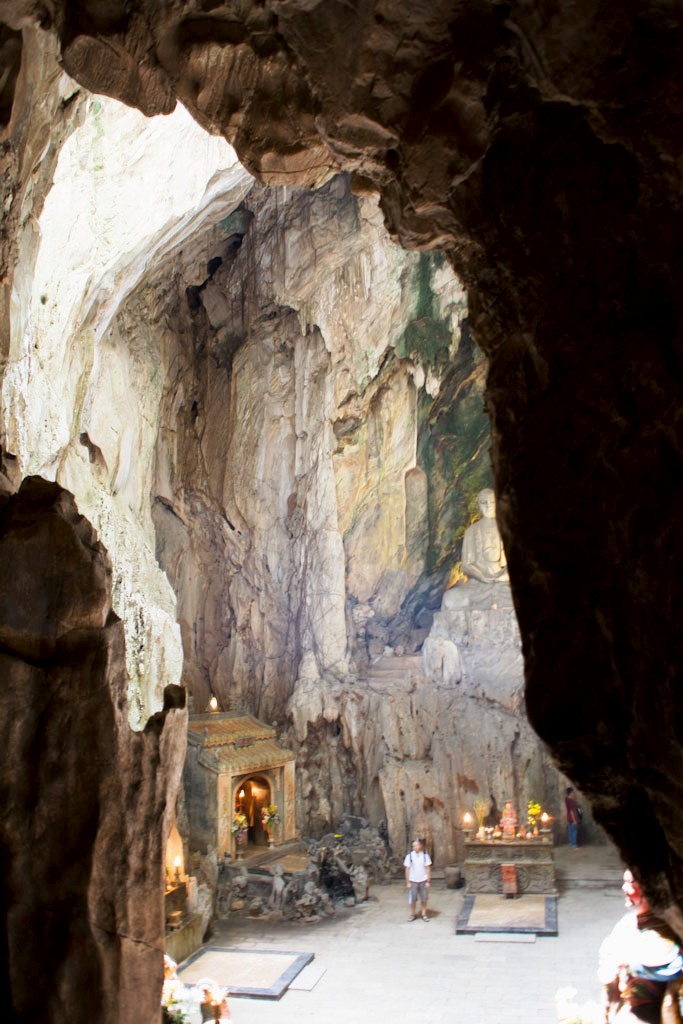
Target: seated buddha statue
{"x": 483, "y": 556}
{"x": 508, "y": 821}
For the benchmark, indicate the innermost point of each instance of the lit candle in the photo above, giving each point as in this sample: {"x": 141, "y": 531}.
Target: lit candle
{"x": 467, "y": 820}
{"x": 176, "y": 864}
{"x": 213, "y": 703}
{"x": 545, "y": 818}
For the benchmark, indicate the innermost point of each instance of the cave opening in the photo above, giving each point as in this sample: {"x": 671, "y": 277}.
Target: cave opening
{"x": 268, "y": 359}
{"x": 192, "y": 372}
{"x": 236, "y": 328}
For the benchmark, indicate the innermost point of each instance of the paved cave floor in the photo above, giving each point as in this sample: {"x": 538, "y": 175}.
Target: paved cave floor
{"x": 380, "y": 967}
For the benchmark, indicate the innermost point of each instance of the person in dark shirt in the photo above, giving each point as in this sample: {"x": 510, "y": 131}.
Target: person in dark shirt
{"x": 573, "y": 818}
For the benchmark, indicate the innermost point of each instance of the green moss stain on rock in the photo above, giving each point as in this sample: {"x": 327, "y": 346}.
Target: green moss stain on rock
{"x": 453, "y": 450}
{"x": 427, "y": 338}
{"x": 453, "y": 428}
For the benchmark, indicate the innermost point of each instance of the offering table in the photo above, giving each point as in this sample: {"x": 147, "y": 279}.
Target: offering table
{"x": 532, "y": 859}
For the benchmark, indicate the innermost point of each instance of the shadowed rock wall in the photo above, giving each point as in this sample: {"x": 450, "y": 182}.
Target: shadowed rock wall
{"x": 539, "y": 150}
{"x": 86, "y": 802}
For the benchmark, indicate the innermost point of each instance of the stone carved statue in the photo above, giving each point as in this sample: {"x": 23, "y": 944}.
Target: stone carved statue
{"x": 361, "y": 883}
{"x": 277, "y": 894}
{"x": 313, "y": 903}
{"x": 483, "y": 557}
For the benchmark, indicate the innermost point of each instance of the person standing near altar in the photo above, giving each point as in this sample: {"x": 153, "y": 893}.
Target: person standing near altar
{"x": 418, "y": 869}
{"x": 573, "y": 818}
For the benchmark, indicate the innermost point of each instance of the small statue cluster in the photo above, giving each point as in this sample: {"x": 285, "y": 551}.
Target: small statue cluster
{"x": 291, "y": 896}
{"x": 340, "y": 869}
{"x": 356, "y": 845}
{"x": 509, "y": 827}
{"x": 313, "y": 904}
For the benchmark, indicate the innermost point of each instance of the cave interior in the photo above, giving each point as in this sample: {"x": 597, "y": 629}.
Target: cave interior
{"x": 285, "y": 285}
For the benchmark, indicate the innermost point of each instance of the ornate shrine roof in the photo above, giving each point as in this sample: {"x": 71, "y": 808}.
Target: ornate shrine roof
{"x": 222, "y": 730}
{"x": 236, "y": 743}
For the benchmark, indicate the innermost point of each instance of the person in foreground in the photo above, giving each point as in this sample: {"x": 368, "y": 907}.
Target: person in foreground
{"x": 418, "y": 867}
{"x": 640, "y": 965}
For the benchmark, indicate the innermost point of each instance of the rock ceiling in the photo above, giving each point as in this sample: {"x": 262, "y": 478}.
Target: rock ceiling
{"x": 539, "y": 150}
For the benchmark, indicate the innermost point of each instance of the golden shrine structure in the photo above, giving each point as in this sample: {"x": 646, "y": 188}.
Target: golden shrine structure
{"x": 235, "y": 766}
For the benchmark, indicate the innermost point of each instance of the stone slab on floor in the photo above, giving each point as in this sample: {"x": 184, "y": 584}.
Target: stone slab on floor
{"x": 256, "y": 973}
{"x": 491, "y": 912}
{"x": 308, "y": 978}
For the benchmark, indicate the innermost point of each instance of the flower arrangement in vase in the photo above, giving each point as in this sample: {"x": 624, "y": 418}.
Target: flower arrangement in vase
{"x": 480, "y": 809}
{"x": 270, "y": 819}
{"x": 239, "y": 827}
{"x": 533, "y": 812}
{"x": 173, "y": 995}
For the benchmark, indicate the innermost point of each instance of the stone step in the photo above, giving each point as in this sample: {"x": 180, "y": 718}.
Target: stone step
{"x": 395, "y": 669}
{"x": 261, "y": 857}
{"x": 589, "y": 867}
{"x": 602, "y": 882}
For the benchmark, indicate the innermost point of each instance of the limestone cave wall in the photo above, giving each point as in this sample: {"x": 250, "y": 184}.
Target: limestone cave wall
{"x": 308, "y": 508}
{"x": 538, "y": 149}
{"x": 320, "y": 444}
{"x": 273, "y": 415}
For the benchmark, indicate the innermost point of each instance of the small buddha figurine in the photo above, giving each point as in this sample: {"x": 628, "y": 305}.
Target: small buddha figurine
{"x": 508, "y": 821}
{"x": 483, "y": 556}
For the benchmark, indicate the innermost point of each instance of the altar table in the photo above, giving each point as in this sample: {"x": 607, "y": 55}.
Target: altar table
{"x": 532, "y": 858}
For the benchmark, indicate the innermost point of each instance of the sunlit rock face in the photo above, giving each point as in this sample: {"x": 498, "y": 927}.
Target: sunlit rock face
{"x": 292, "y": 497}
{"x": 79, "y": 404}
{"x": 273, "y": 416}
{"x": 86, "y": 800}
{"x": 271, "y": 413}
{"x": 321, "y": 446}
{"x": 538, "y": 152}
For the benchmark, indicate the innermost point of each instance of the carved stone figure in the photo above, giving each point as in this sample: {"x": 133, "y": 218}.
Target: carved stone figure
{"x": 483, "y": 557}
{"x": 361, "y": 883}
{"x": 277, "y": 894}
{"x": 313, "y": 903}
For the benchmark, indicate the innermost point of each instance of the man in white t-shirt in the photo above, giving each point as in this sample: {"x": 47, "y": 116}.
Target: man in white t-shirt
{"x": 418, "y": 865}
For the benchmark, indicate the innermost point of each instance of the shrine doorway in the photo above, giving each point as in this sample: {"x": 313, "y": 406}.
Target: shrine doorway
{"x": 251, "y": 796}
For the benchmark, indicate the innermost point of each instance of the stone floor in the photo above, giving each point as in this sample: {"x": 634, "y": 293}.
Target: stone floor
{"x": 372, "y": 964}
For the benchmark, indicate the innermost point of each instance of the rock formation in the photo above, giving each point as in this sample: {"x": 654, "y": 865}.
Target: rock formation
{"x": 85, "y": 799}
{"x": 539, "y": 152}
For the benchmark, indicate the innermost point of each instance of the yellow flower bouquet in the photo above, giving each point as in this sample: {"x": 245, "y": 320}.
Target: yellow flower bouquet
{"x": 239, "y": 824}
{"x": 480, "y": 809}
{"x": 269, "y": 816}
